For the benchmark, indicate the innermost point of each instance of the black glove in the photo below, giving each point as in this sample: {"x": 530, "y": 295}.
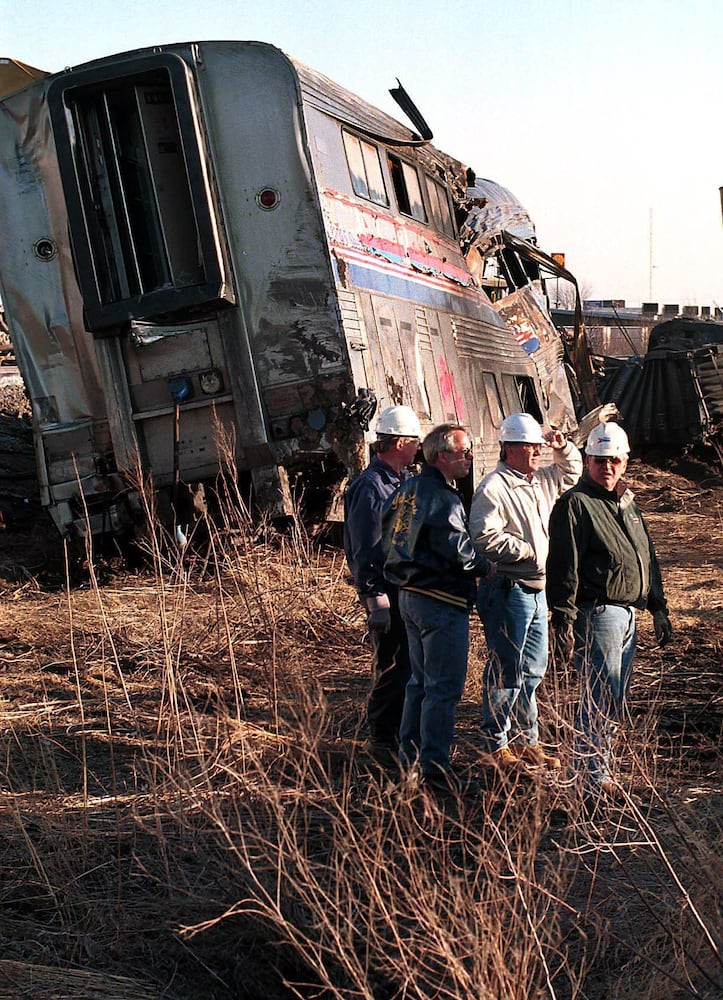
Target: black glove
{"x": 663, "y": 627}
{"x": 379, "y": 616}
{"x": 562, "y": 641}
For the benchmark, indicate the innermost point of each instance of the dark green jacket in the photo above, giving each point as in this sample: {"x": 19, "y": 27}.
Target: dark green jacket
{"x": 600, "y": 550}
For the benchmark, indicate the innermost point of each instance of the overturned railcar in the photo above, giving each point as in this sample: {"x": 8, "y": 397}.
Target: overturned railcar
{"x": 672, "y": 397}
{"x": 210, "y": 253}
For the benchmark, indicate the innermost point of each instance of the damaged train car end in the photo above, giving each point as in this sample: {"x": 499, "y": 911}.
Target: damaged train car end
{"x": 210, "y": 253}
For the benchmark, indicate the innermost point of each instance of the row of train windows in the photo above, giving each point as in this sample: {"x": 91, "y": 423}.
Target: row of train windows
{"x": 367, "y": 178}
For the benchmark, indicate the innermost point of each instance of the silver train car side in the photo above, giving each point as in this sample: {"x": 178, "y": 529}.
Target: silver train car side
{"x": 210, "y": 242}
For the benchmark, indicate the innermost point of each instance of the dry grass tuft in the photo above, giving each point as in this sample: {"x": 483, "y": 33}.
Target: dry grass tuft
{"x": 18, "y": 979}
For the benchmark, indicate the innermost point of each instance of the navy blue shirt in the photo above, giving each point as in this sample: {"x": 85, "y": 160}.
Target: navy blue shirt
{"x": 364, "y": 500}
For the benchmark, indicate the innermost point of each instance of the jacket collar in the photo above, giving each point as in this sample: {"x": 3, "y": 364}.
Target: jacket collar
{"x": 592, "y": 487}
{"x": 386, "y": 470}
{"x": 513, "y": 477}
{"x": 432, "y": 472}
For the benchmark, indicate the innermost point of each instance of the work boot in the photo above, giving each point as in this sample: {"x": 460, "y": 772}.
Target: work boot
{"x": 612, "y": 791}
{"x": 608, "y": 793}
{"x": 384, "y": 755}
{"x": 534, "y": 755}
{"x": 503, "y": 758}
{"x": 450, "y": 783}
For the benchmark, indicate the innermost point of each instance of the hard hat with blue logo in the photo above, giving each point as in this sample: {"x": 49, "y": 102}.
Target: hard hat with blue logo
{"x": 608, "y": 440}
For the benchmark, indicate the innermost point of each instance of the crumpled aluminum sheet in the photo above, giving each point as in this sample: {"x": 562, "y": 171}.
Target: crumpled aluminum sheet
{"x": 525, "y": 312}
{"x": 492, "y": 210}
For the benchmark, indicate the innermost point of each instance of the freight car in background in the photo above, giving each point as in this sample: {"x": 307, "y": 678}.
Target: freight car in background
{"x": 209, "y": 241}
{"x": 672, "y": 396}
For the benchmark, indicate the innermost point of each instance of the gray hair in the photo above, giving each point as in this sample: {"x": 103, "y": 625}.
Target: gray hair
{"x": 385, "y": 442}
{"x": 439, "y": 439}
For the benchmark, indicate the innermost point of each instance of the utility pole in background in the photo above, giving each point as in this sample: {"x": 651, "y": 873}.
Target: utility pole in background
{"x": 650, "y": 254}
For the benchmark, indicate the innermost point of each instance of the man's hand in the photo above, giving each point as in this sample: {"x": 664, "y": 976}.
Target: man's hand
{"x": 555, "y": 439}
{"x": 562, "y": 642}
{"x": 379, "y": 616}
{"x": 663, "y": 627}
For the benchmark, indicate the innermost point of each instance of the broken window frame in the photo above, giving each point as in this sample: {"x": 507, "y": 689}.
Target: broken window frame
{"x": 440, "y": 207}
{"x": 107, "y": 228}
{"x": 493, "y": 397}
{"x": 364, "y": 160}
{"x": 405, "y": 176}
{"x": 521, "y": 392}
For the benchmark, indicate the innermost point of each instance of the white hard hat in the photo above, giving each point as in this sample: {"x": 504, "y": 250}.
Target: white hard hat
{"x": 608, "y": 441}
{"x": 521, "y": 428}
{"x": 399, "y": 421}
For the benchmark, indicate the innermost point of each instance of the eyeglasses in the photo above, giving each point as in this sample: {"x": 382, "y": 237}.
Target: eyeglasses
{"x": 462, "y": 453}
{"x": 605, "y": 459}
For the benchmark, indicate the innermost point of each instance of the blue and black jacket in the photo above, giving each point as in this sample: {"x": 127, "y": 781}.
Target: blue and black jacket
{"x": 426, "y": 541}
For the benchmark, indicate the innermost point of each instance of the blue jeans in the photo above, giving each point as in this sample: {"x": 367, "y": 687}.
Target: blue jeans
{"x": 515, "y": 623}
{"x": 605, "y": 641}
{"x": 438, "y": 636}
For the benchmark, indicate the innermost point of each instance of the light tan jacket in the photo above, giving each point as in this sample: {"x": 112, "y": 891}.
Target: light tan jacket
{"x": 508, "y": 520}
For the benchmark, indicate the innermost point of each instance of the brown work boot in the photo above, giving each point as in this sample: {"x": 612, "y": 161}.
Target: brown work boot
{"x": 503, "y": 758}
{"x": 608, "y": 794}
{"x": 534, "y": 755}
{"x": 612, "y": 791}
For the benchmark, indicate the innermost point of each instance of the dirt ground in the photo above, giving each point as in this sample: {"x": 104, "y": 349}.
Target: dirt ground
{"x": 56, "y": 751}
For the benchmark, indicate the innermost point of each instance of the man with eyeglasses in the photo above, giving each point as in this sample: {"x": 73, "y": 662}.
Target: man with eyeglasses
{"x": 508, "y": 523}
{"x": 397, "y": 441}
{"x": 601, "y": 568}
{"x": 431, "y": 559}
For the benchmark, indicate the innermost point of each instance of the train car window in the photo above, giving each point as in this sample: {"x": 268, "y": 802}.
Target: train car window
{"x": 439, "y": 202}
{"x": 143, "y": 225}
{"x": 365, "y": 167}
{"x": 494, "y": 402}
{"x": 521, "y": 392}
{"x": 407, "y": 189}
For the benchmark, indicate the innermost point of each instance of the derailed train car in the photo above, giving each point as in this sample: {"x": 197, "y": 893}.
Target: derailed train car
{"x": 672, "y": 397}
{"x": 210, "y": 242}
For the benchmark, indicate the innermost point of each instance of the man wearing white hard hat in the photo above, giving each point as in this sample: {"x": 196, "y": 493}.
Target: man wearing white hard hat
{"x": 601, "y": 568}
{"x": 398, "y": 432}
{"x": 508, "y": 523}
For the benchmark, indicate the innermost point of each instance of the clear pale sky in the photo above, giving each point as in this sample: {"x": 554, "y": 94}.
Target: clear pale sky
{"x": 600, "y": 115}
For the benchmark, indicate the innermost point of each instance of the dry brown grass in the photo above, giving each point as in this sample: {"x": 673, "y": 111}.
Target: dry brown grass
{"x": 186, "y": 810}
